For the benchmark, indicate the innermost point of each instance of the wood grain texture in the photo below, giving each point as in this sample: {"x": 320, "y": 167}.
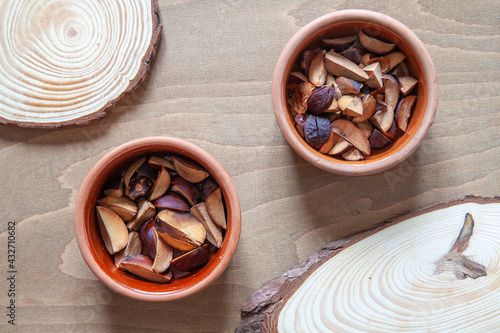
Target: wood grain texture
{"x": 59, "y": 52}
{"x": 263, "y": 310}
{"x": 210, "y": 84}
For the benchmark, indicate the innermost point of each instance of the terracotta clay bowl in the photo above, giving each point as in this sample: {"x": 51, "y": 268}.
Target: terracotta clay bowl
{"x": 344, "y": 23}
{"x": 89, "y": 238}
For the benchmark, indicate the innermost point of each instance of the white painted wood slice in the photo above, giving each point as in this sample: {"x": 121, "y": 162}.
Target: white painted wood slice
{"x": 433, "y": 270}
{"x": 67, "y": 61}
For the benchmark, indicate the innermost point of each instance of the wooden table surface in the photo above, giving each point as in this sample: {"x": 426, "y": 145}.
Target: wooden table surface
{"x": 210, "y": 84}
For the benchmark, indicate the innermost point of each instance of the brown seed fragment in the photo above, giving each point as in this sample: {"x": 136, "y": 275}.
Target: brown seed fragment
{"x": 344, "y": 102}
{"x": 320, "y": 99}
{"x": 306, "y": 59}
{"x": 148, "y": 238}
{"x": 193, "y": 259}
{"x": 317, "y": 130}
{"x": 383, "y": 119}
{"x": 341, "y": 66}
{"x": 186, "y": 189}
{"x": 330, "y": 81}
{"x": 317, "y": 71}
{"x": 378, "y": 140}
{"x": 190, "y": 171}
{"x": 298, "y": 99}
{"x": 161, "y": 185}
{"x": 395, "y": 58}
{"x": 215, "y": 208}
{"x": 406, "y": 84}
{"x": 207, "y": 186}
{"x": 353, "y": 53}
{"x": 181, "y": 230}
{"x": 391, "y": 91}
{"x": 384, "y": 62}
{"x": 334, "y": 107}
{"x": 374, "y": 45}
{"x": 366, "y": 127}
{"x": 157, "y": 162}
{"x": 297, "y": 78}
{"x": 131, "y": 170}
{"x": 334, "y": 116}
{"x": 124, "y": 207}
{"x": 351, "y": 133}
{"x": 348, "y": 86}
{"x": 353, "y": 155}
{"x": 142, "y": 266}
{"x": 391, "y": 133}
{"x": 338, "y": 44}
{"x": 403, "y": 111}
{"x": 138, "y": 187}
{"x": 113, "y": 230}
{"x": 147, "y": 171}
{"x": 113, "y": 187}
{"x": 400, "y": 70}
{"x": 374, "y": 72}
{"x": 163, "y": 256}
{"x": 332, "y": 140}
{"x": 146, "y": 211}
{"x": 214, "y": 234}
{"x": 340, "y": 147}
{"x": 134, "y": 246}
{"x": 369, "y": 106}
{"x": 355, "y": 108}
{"x": 364, "y": 61}
{"x": 173, "y": 201}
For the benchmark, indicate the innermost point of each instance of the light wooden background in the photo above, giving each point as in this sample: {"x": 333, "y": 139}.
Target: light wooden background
{"x": 210, "y": 84}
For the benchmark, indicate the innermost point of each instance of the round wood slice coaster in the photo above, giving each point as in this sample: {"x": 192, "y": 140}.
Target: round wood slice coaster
{"x": 434, "y": 269}
{"x": 66, "y": 62}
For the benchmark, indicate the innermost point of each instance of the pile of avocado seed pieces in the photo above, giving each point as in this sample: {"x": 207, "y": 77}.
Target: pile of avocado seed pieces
{"x": 161, "y": 218}
{"x": 352, "y": 95}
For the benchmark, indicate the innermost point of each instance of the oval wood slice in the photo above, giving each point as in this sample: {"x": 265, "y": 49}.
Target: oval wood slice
{"x": 66, "y": 62}
{"x": 433, "y": 270}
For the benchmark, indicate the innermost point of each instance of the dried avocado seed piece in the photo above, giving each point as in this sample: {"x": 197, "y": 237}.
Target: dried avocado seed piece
{"x": 215, "y": 208}
{"x": 161, "y": 185}
{"x": 131, "y": 170}
{"x": 181, "y": 230}
{"x": 138, "y": 187}
{"x": 142, "y": 266}
{"x": 145, "y": 212}
{"x": 378, "y": 140}
{"x": 351, "y": 133}
{"x": 173, "y": 201}
{"x": 214, "y": 234}
{"x": 124, "y": 207}
{"x": 317, "y": 130}
{"x": 374, "y": 45}
{"x": 193, "y": 259}
{"x": 113, "y": 230}
{"x": 339, "y": 65}
{"x": 338, "y": 44}
{"x": 190, "y": 171}
{"x": 134, "y": 246}
{"x": 320, "y": 99}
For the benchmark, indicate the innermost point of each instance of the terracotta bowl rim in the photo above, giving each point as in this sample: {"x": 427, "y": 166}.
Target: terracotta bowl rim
{"x": 226, "y": 185}
{"x": 341, "y": 16}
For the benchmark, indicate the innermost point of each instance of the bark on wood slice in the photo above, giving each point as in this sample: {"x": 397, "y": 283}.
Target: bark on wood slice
{"x": 435, "y": 269}
{"x": 66, "y": 62}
